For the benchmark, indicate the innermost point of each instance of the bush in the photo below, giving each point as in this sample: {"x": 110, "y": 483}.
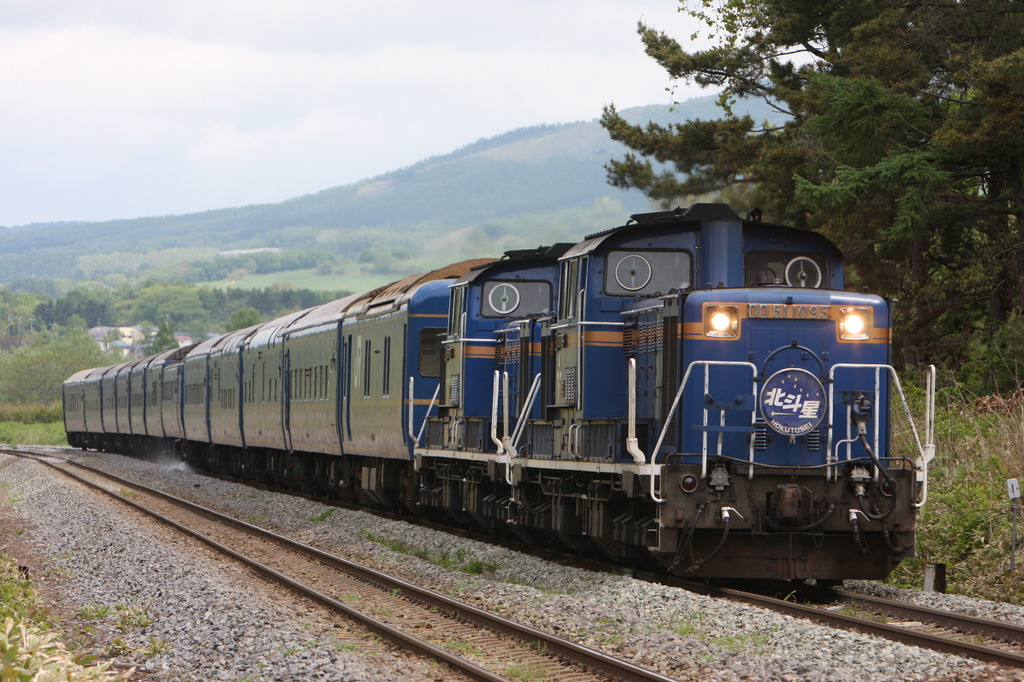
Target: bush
{"x": 994, "y": 361}
{"x": 27, "y": 653}
{"x": 36, "y": 371}
{"x": 966, "y": 522}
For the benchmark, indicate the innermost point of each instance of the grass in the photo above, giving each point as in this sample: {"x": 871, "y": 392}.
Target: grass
{"x": 31, "y": 413}
{"x": 859, "y": 612}
{"x": 479, "y": 567}
{"x": 693, "y": 625}
{"x": 751, "y": 642}
{"x": 94, "y": 611}
{"x": 49, "y": 433}
{"x": 526, "y": 672}
{"x": 155, "y": 646}
{"x": 17, "y": 598}
{"x": 133, "y": 616}
{"x": 320, "y": 518}
{"x": 457, "y": 562}
{"x": 29, "y": 645}
{"x": 966, "y": 522}
{"x": 463, "y": 648}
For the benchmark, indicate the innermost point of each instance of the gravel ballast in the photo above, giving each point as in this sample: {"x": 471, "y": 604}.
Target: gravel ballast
{"x": 218, "y": 626}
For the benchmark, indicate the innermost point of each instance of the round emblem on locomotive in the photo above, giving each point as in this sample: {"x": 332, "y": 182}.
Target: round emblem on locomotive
{"x": 793, "y": 402}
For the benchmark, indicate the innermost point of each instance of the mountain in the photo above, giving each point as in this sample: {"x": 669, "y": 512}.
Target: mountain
{"x": 520, "y": 189}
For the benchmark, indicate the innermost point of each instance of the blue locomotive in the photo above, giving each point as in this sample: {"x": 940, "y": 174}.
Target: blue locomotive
{"x": 691, "y": 389}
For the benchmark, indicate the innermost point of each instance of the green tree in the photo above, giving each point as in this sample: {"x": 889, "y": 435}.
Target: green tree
{"x": 242, "y": 318}
{"x": 901, "y": 136}
{"x": 164, "y": 339}
{"x": 94, "y": 306}
{"x": 35, "y": 372}
{"x": 178, "y": 304}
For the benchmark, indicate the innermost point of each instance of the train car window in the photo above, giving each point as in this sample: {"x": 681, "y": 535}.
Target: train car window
{"x": 387, "y": 367}
{"x": 804, "y": 270}
{"x": 430, "y": 352}
{"x": 515, "y": 298}
{"x": 348, "y": 369}
{"x": 642, "y": 272}
{"x": 366, "y": 368}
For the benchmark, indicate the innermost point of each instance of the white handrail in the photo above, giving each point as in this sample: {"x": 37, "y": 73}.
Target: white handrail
{"x": 433, "y": 401}
{"x": 506, "y": 440}
{"x": 926, "y": 450}
{"x": 929, "y": 435}
{"x": 494, "y": 414}
{"x": 632, "y": 444}
{"x": 524, "y": 413}
{"x": 679, "y": 394}
{"x": 414, "y": 437}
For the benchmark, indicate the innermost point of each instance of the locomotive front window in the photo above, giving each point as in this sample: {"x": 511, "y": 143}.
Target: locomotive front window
{"x": 642, "y": 273}
{"x": 804, "y": 270}
{"x": 515, "y": 298}
{"x": 455, "y": 310}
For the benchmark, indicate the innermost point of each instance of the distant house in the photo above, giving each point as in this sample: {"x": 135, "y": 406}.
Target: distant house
{"x": 183, "y": 340}
{"x": 129, "y": 341}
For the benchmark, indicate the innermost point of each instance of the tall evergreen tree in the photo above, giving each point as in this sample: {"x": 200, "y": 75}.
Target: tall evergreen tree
{"x": 903, "y": 140}
{"x": 164, "y": 339}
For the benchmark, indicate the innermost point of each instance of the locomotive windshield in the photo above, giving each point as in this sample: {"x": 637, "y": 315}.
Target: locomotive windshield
{"x": 642, "y": 273}
{"x": 807, "y": 270}
{"x": 515, "y": 298}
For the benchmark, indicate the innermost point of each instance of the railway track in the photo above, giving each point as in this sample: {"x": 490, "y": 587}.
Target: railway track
{"x": 948, "y": 632}
{"x": 944, "y": 631}
{"x": 475, "y": 643}
{"x": 985, "y": 633}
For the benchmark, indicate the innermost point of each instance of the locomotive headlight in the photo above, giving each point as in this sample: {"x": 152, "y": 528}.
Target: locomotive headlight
{"x": 855, "y": 324}
{"x": 721, "y": 321}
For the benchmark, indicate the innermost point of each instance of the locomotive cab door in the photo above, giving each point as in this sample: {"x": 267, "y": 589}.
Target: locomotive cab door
{"x": 518, "y": 357}
{"x": 652, "y": 341}
{"x": 566, "y": 364}
{"x": 453, "y": 353}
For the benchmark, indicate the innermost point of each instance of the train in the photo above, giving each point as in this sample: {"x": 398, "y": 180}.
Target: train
{"x": 693, "y": 391}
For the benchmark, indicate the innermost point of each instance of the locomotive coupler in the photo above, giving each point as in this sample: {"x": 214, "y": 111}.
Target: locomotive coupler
{"x": 859, "y": 477}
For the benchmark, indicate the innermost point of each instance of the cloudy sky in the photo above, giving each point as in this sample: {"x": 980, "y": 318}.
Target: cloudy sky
{"x": 126, "y": 108}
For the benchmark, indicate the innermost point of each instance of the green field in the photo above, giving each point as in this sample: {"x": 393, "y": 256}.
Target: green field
{"x": 308, "y": 279}
{"x": 17, "y": 433}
